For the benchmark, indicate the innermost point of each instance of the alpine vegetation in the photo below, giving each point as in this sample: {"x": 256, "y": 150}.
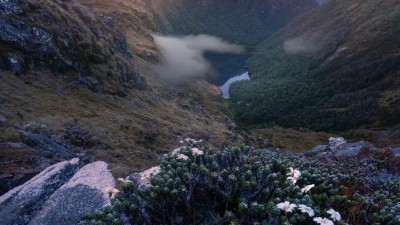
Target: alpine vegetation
{"x": 239, "y": 185}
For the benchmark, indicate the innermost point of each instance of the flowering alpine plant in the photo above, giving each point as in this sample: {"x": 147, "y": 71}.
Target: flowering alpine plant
{"x": 238, "y": 185}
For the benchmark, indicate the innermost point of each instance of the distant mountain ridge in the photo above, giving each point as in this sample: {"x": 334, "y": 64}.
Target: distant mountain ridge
{"x": 243, "y": 22}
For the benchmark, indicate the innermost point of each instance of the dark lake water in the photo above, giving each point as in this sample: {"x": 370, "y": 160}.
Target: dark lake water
{"x": 226, "y": 66}
{"x": 229, "y": 69}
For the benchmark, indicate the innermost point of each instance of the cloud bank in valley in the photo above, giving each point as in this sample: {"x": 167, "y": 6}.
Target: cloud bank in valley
{"x": 299, "y": 45}
{"x": 183, "y": 57}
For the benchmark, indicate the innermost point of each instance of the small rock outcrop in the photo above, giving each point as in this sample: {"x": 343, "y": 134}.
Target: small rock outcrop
{"x": 61, "y": 194}
{"x": 339, "y": 148}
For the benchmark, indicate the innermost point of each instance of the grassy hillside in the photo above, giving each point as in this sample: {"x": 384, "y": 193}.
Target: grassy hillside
{"x": 78, "y": 84}
{"x": 334, "y": 68}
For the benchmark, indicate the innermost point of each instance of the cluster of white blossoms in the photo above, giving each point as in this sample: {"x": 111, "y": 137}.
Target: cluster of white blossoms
{"x": 183, "y": 157}
{"x": 191, "y": 141}
{"x": 294, "y": 176}
{"x": 112, "y": 191}
{"x": 196, "y": 151}
{"x": 125, "y": 181}
{"x": 176, "y": 151}
{"x": 145, "y": 175}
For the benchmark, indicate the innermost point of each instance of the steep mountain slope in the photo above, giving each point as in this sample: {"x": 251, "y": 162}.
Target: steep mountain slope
{"x": 336, "y": 67}
{"x": 243, "y": 22}
{"x": 80, "y": 37}
{"x": 75, "y": 81}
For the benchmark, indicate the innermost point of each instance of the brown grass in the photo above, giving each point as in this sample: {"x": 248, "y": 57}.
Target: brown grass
{"x": 122, "y": 124}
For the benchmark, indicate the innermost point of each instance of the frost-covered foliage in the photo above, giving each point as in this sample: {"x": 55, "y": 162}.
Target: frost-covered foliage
{"x": 242, "y": 186}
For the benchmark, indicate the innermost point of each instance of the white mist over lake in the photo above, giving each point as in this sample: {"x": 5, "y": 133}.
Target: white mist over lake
{"x": 184, "y": 57}
{"x": 228, "y": 83}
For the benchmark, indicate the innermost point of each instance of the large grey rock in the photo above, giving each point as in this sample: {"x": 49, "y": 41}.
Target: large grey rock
{"x": 317, "y": 150}
{"x": 338, "y": 148}
{"x": 337, "y": 143}
{"x": 351, "y": 150}
{"x": 85, "y": 192}
{"x": 20, "y": 204}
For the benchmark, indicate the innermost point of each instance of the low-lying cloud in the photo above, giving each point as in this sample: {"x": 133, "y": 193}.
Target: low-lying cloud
{"x": 183, "y": 57}
{"x": 299, "y": 45}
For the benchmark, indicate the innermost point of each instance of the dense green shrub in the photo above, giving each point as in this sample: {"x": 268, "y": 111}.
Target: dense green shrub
{"x": 243, "y": 186}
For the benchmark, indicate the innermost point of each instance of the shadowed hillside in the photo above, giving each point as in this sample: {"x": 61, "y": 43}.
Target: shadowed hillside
{"x": 334, "y": 68}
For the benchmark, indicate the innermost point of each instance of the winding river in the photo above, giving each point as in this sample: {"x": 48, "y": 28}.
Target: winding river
{"x": 225, "y": 87}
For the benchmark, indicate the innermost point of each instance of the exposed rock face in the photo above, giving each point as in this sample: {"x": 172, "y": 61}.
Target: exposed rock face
{"x": 337, "y": 143}
{"x": 53, "y": 197}
{"x": 19, "y": 205}
{"x": 338, "y": 148}
{"x": 82, "y": 194}
{"x": 8, "y": 7}
{"x": 66, "y": 36}
{"x": 47, "y": 144}
{"x": 318, "y": 149}
{"x": 354, "y": 149}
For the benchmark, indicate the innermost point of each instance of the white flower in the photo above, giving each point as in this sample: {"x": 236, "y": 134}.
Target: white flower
{"x": 176, "y": 151}
{"x": 196, "y": 151}
{"x": 334, "y": 215}
{"x": 125, "y": 181}
{"x": 293, "y": 180}
{"x": 145, "y": 175}
{"x": 294, "y": 173}
{"x": 190, "y": 140}
{"x": 183, "y": 157}
{"x": 306, "y": 209}
{"x": 323, "y": 221}
{"x": 307, "y": 188}
{"x": 112, "y": 191}
{"x": 181, "y": 142}
{"x": 286, "y": 206}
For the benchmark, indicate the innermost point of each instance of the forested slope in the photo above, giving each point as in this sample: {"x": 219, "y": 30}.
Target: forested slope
{"x": 334, "y": 68}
